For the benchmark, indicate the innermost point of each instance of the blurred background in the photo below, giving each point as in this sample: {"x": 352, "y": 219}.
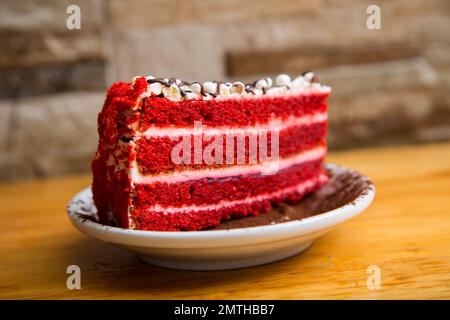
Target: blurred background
{"x": 390, "y": 86}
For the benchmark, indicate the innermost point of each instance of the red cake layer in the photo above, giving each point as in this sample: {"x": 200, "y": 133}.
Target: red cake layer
{"x": 154, "y": 154}
{"x": 228, "y": 112}
{"x": 209, "y": 191}
{"x": 197, "y": 220}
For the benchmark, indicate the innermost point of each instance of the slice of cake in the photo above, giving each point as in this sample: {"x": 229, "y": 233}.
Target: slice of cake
{"x": 178, "y": 156}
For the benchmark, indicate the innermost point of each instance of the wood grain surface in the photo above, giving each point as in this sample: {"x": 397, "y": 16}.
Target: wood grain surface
{"x": 406, "y": 233}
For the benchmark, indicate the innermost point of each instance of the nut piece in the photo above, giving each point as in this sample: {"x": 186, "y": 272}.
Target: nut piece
{"x": 283, "y": 80}
{"x": 173, "y": 92}
{"x": 210, "y": 87}
{"x": 238, "y": 87}
{"x": 224, "y": 90}
{"x": 196, "y": 88}
{"x": 261, "y": 84}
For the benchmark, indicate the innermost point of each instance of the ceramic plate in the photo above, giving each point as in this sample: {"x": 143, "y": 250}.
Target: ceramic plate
{"x": 347, "y": 194}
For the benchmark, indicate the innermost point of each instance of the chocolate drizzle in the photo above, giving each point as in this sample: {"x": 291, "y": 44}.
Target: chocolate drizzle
{"x": 160, "y": 81}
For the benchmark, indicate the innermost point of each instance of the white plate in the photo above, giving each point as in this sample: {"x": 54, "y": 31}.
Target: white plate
{"x": 219, "y": 249}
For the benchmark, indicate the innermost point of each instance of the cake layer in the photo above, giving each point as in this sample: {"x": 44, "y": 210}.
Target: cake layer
{"x": 156, "y": 155}
{"x": 313, "y": 154}
{"x": 209, "y": 191}
{"x": 275, "y": 124}
{"x": 202, "y": 217}
{"x": 227, "y": 112}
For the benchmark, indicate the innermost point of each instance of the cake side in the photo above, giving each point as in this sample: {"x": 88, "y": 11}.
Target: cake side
{"x": 112, "y": 185}
{"x": 138, "y": 184}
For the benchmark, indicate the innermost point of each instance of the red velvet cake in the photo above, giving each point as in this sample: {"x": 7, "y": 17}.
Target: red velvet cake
{"x": 176, "y": 156}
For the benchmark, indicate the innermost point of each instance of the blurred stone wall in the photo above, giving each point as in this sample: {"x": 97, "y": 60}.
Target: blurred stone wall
{"x": 390, "y": 86}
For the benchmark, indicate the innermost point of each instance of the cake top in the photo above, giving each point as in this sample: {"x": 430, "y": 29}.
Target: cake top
{"x": 175, "y": 89}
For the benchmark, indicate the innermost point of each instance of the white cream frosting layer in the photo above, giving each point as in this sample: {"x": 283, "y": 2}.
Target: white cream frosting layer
{"x": 304, "y": 185}
{"x": 181, "y": 176}
{"x": 275, "y": 125}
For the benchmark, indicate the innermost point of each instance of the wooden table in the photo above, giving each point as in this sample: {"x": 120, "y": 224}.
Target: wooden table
{"x": 406, "y": 233}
